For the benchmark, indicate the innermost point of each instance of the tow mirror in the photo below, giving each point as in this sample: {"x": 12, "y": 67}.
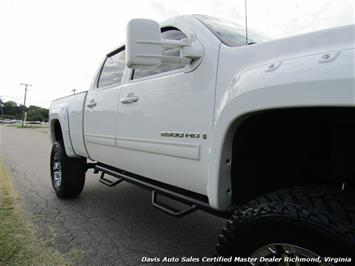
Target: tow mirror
{"x": 143, "y": 38}
{"x": 143, "y": 46}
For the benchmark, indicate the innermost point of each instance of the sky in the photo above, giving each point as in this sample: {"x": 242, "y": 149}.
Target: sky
{"x": 57, "y": 46}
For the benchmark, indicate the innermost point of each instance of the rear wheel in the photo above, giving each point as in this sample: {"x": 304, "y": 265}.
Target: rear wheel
{"x": 295, "y": 224}
{"x": 67, "y": 174}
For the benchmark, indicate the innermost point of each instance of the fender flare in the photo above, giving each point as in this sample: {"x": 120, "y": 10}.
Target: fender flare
{"x": 60, "y": 113}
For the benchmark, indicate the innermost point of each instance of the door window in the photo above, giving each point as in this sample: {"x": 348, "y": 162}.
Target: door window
{"x": 112, "y": 70}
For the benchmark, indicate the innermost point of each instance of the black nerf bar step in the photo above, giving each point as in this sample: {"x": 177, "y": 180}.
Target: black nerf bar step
{"x": 194, "y": 200}
{"x": 169, "y": 209}
{"x": 109, "y": 182}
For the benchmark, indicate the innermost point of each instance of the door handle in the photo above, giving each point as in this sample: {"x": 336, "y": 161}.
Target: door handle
{"x": 131, "y": 98}
{"x": 92, "y": 103}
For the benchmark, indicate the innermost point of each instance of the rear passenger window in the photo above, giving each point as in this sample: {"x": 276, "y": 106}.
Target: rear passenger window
{"x": 112, "y": 70}
{"x": 170, "y": 34}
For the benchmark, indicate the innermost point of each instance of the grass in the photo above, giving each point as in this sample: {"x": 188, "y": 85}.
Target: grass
{"x": 18, "y": 243}
{"x": 29, "y": 126}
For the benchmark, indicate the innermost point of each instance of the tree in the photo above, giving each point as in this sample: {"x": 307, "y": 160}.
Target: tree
{"x": 34, "y": 113}
{"x": 12, "y": 110}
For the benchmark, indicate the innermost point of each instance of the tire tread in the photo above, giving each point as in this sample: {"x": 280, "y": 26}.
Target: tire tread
{"x": 329, "y": 210}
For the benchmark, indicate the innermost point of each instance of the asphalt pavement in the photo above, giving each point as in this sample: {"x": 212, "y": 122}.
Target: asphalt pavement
{"x": 104, "y": 225}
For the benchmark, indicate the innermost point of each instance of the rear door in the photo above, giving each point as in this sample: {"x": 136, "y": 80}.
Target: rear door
{"x": 100, "y": 117}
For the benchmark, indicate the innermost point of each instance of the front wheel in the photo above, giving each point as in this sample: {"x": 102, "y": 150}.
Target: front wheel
{"x": 299, "y": 226}
{"x": 67, "y": 174}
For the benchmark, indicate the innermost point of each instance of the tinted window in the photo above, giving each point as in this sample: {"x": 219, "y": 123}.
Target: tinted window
{"x": 171, "y": 34}
{"x": 112, "y": 70}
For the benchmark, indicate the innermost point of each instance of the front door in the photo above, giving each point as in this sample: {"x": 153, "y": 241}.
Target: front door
{"x": 165, "y": 120}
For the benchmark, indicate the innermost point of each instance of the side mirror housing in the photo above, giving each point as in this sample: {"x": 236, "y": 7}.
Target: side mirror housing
{"x": 142, "y": 50}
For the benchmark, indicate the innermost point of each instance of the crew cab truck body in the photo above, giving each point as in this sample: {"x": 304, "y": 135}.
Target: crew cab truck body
{"x": 265, "y": 130}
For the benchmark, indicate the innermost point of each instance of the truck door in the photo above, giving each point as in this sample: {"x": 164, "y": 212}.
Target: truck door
{"x": 165, "y": 120}
{"x": 100, "y": 117}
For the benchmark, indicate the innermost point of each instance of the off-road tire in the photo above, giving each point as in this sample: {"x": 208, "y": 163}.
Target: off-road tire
{"x": 317, "y": 219}
{"x": 72, "y": 171}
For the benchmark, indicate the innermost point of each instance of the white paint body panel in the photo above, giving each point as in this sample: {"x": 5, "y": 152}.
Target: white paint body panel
{"x": 171, "y": 101}
{"x": 212, "y": 97}
{"x": 100, "y": 124}
{"x": 69, "y": 111}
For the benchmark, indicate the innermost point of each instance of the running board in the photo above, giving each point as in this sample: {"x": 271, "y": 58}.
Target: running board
{"x": 195, "y": 201}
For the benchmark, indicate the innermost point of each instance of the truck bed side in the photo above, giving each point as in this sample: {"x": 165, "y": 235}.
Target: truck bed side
{"x": 67, "y": 112}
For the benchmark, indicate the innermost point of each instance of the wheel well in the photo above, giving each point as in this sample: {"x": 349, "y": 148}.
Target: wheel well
{"x": 56, "y": 131}
{"x": 293, "y": 147}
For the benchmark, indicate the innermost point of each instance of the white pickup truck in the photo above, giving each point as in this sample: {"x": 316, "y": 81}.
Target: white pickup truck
{"x": 260, "y": 131}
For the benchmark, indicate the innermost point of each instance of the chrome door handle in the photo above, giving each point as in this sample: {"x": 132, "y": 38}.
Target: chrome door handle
{"x": 131, "y": 98}
{"x": 92, "y": 103}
